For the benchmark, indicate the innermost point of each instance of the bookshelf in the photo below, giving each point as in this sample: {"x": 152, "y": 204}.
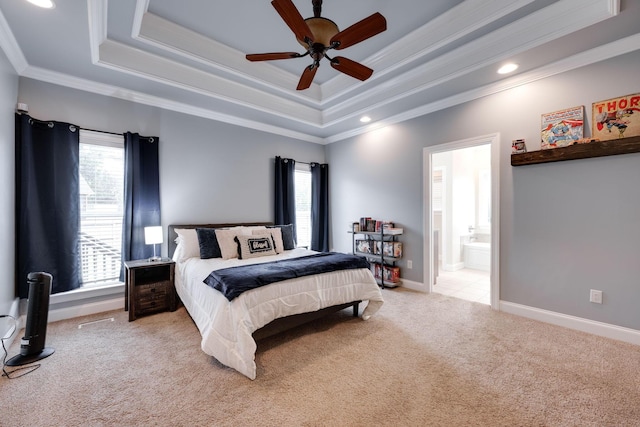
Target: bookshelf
{"x": 382, "y": 249}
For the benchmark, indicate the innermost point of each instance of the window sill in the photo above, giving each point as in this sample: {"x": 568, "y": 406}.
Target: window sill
{"x": 87, "y": 293}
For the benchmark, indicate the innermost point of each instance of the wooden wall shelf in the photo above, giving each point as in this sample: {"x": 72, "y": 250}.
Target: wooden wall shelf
{"x": 579, "y": 151}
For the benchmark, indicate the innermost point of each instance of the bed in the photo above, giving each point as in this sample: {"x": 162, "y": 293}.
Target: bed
{"x": 230, "y": 327}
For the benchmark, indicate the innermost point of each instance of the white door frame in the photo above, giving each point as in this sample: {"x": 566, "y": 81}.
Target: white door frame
{"x": 427, "y": 172}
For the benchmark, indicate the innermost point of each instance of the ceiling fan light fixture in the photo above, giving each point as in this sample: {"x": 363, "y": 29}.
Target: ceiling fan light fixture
{"x": 46, "y": 4}
{"x": 323, "y": 30}
{"x": 507, "y": 68}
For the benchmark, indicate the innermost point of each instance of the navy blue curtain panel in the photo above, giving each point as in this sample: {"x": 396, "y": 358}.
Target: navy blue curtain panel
{"x": 320, "y": 207}
{"x": 285, "y": 195}
{"x": 141, "y": 195}
{"x": 47, "y": 203}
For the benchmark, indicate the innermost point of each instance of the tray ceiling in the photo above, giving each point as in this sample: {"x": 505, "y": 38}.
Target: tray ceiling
{"x": 188, "y": 56}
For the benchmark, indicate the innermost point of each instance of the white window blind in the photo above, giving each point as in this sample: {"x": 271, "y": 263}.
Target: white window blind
{"x": 303, "y": 204}
{"x": 101, "y": 206}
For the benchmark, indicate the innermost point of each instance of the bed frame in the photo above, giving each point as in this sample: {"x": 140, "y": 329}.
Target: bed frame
{"x": 278, "y": 325}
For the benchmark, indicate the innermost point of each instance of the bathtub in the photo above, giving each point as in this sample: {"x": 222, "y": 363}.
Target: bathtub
{"x": 477, "y": 255}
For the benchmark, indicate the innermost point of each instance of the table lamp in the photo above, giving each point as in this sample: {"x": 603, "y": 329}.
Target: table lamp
{"x": 153, "y": 236}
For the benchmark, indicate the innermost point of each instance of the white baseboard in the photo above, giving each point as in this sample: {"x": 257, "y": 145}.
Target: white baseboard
{"x": 453, "y": 267}
{"x": 14, "y": 312}
{"x": 414, "y": 286}
{"x": 606, "y": 330}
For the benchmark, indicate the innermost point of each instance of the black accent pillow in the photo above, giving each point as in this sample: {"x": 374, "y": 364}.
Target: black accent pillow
{"x": 209, "y": 247}
{"x": 288, "y": 239}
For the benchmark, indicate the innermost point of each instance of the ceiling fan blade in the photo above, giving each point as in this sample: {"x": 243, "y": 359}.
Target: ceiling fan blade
{"x": 290, "y": 15}
{"x": 359, "y": 31}
{"x": 307, "y": 77}
{"x": 351, "y": 68}
{"x": 272, "y": 56}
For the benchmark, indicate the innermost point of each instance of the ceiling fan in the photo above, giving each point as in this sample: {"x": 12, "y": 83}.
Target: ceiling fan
{"x": 317, "y": 35}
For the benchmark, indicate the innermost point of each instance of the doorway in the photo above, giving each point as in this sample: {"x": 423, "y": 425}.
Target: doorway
{"x": 461, "y": 213}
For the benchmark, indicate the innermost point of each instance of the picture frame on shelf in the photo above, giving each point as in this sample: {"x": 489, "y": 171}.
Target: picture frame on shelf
{"x": 616, "y": 118}
{"x": 562, "y": 128}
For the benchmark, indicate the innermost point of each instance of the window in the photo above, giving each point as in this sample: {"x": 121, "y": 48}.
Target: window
{"x": 303, "y": 204}
{"x": 101, "y": 207}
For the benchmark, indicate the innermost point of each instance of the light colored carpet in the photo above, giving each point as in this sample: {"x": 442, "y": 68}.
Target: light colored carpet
{"x": 423, "y": 360}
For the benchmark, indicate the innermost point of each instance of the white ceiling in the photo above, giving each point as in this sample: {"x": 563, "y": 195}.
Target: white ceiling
{"x": 188, "y": 55}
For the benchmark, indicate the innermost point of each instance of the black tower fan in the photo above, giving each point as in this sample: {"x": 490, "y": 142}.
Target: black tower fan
{"x": 32, "y": 344}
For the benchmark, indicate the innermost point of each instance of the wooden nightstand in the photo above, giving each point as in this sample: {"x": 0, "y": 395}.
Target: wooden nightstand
{"x": 149, "y": 287}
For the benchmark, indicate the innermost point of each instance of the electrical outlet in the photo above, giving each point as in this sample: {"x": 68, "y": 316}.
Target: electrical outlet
{"x": 409, "y": 264}
{"x": 595, "y": 296}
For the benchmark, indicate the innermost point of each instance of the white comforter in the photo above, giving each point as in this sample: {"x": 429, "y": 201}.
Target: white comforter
{"x": 227, "y": 326}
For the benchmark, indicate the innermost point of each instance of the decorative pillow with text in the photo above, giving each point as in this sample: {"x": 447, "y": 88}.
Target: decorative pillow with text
{"x": 255, "y": 246}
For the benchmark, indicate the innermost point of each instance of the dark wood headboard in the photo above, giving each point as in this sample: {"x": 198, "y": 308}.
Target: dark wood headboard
{"x": 172, "y": 235}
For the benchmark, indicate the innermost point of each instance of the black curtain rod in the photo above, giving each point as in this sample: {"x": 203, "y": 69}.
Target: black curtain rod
{"x": 102, "y": 131}
{"x": 87, "y": 129}
{"x": 81, "y": 128}
{"x": 305, "y": 163}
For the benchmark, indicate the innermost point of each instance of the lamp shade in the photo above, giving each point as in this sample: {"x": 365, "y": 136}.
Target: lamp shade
{"x": 153, "y": 235}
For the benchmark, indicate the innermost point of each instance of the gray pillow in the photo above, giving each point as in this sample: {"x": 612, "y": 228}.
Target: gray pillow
{"x": 209, "y": 247}
{"x": 288, "y": 239}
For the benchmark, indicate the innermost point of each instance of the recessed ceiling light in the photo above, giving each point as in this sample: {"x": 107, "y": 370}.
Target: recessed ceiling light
{"x": 507, "y": 68}
{"x": 365, "y": 119}
{"x": 47, "y": 4}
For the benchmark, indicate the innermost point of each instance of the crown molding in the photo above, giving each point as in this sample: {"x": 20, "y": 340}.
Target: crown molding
{"x": 528, "y": 32}
{"x": 178, "y": 40}
{"x": 159, "y": 102}
{"x": 592, "y": 56}
{"x": 97, "y": 11}
{"x": 10, "y": 46}
{"x": 614, "y": 7}
{"x": 441, "y": 31}
{"x": 501, "y": 44}
{"x": 152, "y": 67}
{"x": 581, "y": 13}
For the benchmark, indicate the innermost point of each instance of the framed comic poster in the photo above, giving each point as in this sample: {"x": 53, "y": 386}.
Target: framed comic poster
{"x": 562, "y": 128}
{"x": 616, "y": 118}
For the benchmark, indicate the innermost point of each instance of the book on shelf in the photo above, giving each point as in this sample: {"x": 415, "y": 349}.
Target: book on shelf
{"x": 373, "y": 225}
{"x": 364, "y": 246}
{"x": 390, "y": 249}
{"x": 387, "y": 273}
{"x": 394, "y": 230}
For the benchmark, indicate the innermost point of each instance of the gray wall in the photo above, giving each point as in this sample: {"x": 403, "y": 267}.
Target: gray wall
{"x": 209, "y": 171}
{"x": 8, "y": 96}
{"x": 565, "y": 227}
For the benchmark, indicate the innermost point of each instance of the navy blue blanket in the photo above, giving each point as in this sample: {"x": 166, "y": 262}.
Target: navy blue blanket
{"x": 233, "y": 281}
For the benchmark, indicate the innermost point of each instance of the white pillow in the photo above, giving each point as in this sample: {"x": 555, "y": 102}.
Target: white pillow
{"x": 248, "y": 230}
{"x": 178, "y": 254}
{"x": 226, "y": 241}
{"x": 187, "y": 243}
{"x": 254, "y": 246}
{"x": 276, "y": 234}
